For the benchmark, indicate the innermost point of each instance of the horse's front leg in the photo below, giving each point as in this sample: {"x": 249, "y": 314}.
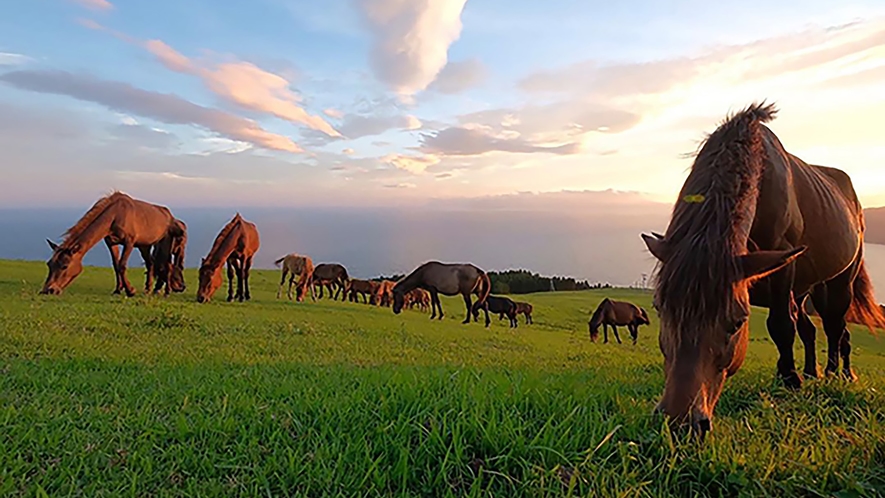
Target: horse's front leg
{"x": 124, "y": 259}
{"x": 115, "y": 262}
{"x": 617, "y": 336}
{"x": 781, "y": 324}
{"x": 230, "y": 280}
{"x": 247, "y": 270}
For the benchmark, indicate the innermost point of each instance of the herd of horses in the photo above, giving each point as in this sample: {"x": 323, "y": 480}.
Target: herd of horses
{"x": 753, "y": 225}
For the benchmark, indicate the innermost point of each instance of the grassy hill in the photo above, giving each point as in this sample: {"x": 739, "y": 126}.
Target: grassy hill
{"x": 103, "y": 395}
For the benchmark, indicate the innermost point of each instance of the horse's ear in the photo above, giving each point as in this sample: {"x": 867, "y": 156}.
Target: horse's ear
{"x": 52, "y": 245}
{"x": 657, "y": 246}
{"x": 760, "y": 264}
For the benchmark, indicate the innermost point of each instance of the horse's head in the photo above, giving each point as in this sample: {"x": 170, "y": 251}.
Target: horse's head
{"x": 176, "y": 279}
{"x": 704, "y": 335}
{"x": 210, "y": 281}
{"x": 64, "y": 266}
{"x": 642, "y": 319}
{"x": 594, "y": 330}
{"x": 399, "y": 298}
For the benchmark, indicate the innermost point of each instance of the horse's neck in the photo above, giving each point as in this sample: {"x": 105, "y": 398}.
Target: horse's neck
{"x": 93, "y": 233}
{"x": 411, "y": 282}
{"x": 228, "y": 245}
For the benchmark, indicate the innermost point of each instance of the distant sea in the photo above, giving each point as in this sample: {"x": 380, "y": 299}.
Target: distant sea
{"x": 595, "y": 246}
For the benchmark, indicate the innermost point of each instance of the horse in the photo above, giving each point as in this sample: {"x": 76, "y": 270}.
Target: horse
{"x": 167, "y": 261}
{"x": 236, "y": 244}
{"x": 419, "y": 297}
{"x": 525, "y": 309}
{"x": 449, "y": 279}
{"x": 752, "y": 213}
{"x": 329, "y": 275}
{"x": 356, "y": 287}
{"x": 384, "y": 293}
{"x": 119, "y": 220}
{"x": 615, "y": 314}
{"x": 496, "y": 304}
{"x": 300, "y": 267}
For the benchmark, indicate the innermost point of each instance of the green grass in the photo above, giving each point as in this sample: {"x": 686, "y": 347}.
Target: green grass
{"x": 107, "y": 396}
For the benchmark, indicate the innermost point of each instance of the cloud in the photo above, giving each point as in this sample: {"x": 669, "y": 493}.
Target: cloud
{"x": 245, "y": 85}
{"x": 10, "y": 59}
{"x": 333, "y": 113}
{"x": 411, "y": 40}
{"x": 144, "y": 136}
{"x": 357, "y": 126}
{"x": 459, "y": 76}
{"x": 459, "y": 141}
{"x": 400, "y": 185}
{"x": 167, "y": 108}
{"x": 348, "y": 152}
{"x": 412, "y": 164}
{"x": 95, "y": 4}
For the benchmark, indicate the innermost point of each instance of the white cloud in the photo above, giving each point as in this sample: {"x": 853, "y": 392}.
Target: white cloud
{"x": 459, "y": 76}
{"x": 412, "y": 164}
{"x": 411, "y": 40}
{"x": 10, "y": 59}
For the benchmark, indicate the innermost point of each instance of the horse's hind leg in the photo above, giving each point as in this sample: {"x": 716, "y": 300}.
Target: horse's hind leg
{"x": 807, "y": 333}
{"x": 247, "y": 270}
{"x": 469, "y": 305}
{"x": 782, "y": 326}
{"x": 285, "y": 272}
{"x": 839, "y": 295}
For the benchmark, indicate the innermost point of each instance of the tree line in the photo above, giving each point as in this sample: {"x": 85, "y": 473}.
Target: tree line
{"x": 525, "y": 282}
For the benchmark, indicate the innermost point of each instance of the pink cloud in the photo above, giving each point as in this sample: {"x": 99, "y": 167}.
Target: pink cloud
{"x": 95, "y": 4}
{"x": 244, "y": 84}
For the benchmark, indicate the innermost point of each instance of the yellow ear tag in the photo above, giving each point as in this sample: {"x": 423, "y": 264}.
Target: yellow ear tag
{"x": 694, "y": 198}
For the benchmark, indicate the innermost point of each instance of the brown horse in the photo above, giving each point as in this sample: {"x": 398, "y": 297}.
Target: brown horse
{"x": 236, "y": 245}
{"x": 296, "y": 266}
{"x": 496, "y": 304}
{"x": 615, "y": 314}
{"x": 525, "y": 309}
{"x": 384, "y": 293}
{"x": 417, "y": 297}
{"x": 357, "y": 287}
{"x": 449, "y": 279}
{"x": 331, "y": 275}
{"x": 167, "y": 260}
{"x": 119, "y": 220}
{"x": 749, "y": 211}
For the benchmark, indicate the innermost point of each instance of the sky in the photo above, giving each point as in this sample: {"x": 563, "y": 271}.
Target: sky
{"x": 402, "y": 103}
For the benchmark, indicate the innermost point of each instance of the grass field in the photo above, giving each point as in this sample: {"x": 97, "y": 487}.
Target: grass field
{"x": 107, "y": 396}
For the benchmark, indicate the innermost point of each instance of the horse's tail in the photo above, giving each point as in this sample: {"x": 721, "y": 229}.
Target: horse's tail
{"x": 277, "y": 262}
{"x": 485, "y": 284}
{"x": 864, "y": 309}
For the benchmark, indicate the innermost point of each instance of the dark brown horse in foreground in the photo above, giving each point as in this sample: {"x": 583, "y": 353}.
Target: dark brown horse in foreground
{"x": 750, "y": 212}
{"x": 167, "y": 260}
{"x": 119, "y": 220}
{"x": 235, "y": 245}
{"x": 448, "y": 279}
{"x": 496, "y": 304}
{"x": 615, "y": 314}
{"x": 331, "y": 275}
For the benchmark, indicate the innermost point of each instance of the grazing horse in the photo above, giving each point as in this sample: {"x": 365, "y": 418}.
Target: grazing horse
{"x": 300, "y": 267}
{"x": 750, "y": 212}
{"x": 119, "y": 220}
{"x": 614, "y": 314}
{"x": 384, "y": 293}
{"x": 236, "y": 244}
{"x": 329, "y": 275}
{"x": 525, "y": 309}
{"x": 497, "y": 304}
{"x": 167, "y": 260}
{"x": 449, "y": 279}
{"x": 356, "y": 287}
{"x": 419, "y": 297}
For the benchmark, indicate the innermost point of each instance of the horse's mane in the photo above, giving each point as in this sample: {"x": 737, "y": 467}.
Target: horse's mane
{"x": 94, "y": 212}
{"x": 223, "y": 234}
{"x": 595, "y": 318}
{"x": 703, "y": 239}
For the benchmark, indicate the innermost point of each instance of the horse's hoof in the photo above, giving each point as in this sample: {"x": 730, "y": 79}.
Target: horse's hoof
{"x": 792, "y": 380}
{"x": 849, "y": 375}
